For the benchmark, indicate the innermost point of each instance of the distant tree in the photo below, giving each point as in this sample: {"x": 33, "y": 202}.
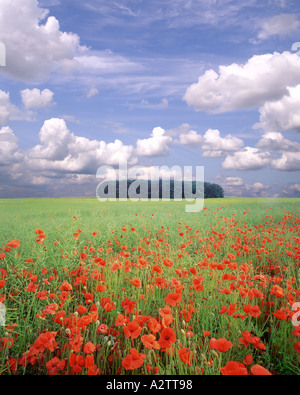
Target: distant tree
{"x": 176, "y": 189}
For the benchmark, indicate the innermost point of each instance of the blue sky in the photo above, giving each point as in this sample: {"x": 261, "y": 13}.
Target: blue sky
{"x": 189, "y": 82}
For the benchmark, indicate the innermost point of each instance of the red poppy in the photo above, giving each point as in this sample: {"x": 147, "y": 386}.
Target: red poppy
{"x": 173, "y": 298}
{"x": 150, "y": 342}
{"x": 132, "y": 329}
{"x": 89, "y": 348}
{"x": 167, "y": 337}
{"x": 136, "y": 282}
{"x": 134, "y": 360}
{"x": 186, "y": 355}
{"x": 234, "y": 369}
{"x": 221, "y": 344}
{"x": 258, "y": 370}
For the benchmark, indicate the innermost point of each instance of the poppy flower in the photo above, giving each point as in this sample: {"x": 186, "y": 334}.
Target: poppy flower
{"x": 221, "y": 344}
{"x": 186, "y": 355}
{"x": 77, "y": 362}
{"x": 248, "y": 359}
{"x": 157, "y": 268}
{"x": 136, "y": 282}
{"x": 173, "y": 298}
{"x": 167, "y": 262}
{"x": 101, "y": 288}
{"x": 102, "y": 328}
{"x": 13, "y": 244}
{"x": 81, "y": 309}
{"x": 121, "y": 320}
{"x": 55, "y": 365}
{"x": 167, "y": 337}
{"x": 297, "y": 347}
{"x": 132, "y": 329}
{"x": 89, "y": 348}
{"x": 258, "y": 370}
{"x": 154, "y": 325}
{"x": 134, "y": 360}
{"x": 150, "y": 342}
{"x": 234, "y": 369}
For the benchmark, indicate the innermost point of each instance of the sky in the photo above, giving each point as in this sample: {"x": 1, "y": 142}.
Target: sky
{"x": 91, "y": 83}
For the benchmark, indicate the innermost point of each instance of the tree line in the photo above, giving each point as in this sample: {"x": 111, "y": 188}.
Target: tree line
{"x": 164, "y": 188}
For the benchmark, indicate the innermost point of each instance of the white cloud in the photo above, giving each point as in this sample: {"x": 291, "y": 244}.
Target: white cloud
{"x": 34, "y": 98}
{"x": 157, "y": 145}
{"x": 9, "y": 149}
{"x": 190, "y": 139}
{"x": 247, "y": 159}
{"x": 291, "y": 190}
{"x": 104, "y": 62}
{"x": 233, "y": 181}
{"x": 257, "y": 189}
{"x": 92, "y": 92}
{"x": 262, "y": 78}
{"x": 282, "y": 114}
{"x": 216, "y": 146}
{"x": 233, "y": 186}
{"x": 10, "y": 112}
{"x": 62, "y": 151}
{"x": 289, "y": 161}
{"x": 34, "y": 43}
{"x": 274, "y": 141}
{"x": 213, "y": 145}
{"x": 280, "y": 25}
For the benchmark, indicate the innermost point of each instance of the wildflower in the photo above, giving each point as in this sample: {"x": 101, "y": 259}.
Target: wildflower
{"x": 234, "y": 369}
{"x": 221, "y": 344}
{"x": 132, "y": 329}
{"x": 167, "y": 337}
{"x": 258, "y": 370}
{"x": 134, "y": 360}
{"x": 186, "y": 355}
{"x": 150, "y": 342}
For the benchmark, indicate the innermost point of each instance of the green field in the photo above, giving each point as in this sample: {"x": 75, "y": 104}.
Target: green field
{"x": 244, "y": 255}
{"x": 19, "y": 216}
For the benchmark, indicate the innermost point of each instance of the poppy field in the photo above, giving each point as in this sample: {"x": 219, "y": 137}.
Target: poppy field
{"x": 123, "y": 288}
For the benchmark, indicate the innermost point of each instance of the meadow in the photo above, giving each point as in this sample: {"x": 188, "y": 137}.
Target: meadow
{"x": 121, "y": 288}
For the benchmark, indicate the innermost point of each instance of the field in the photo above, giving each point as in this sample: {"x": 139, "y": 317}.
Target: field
{"x": 145, "y": 288}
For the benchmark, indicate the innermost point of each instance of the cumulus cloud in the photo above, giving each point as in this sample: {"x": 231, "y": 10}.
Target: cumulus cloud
{"x": 233, "y": 186}
{"x": 212, "y": 144}
{"x": 281, "y": 114}
{"x": 289, "y": 161}
{"x": 59, "y": 163}
{"x": 261, "y": 79}
{"x": 34, "y": 98}
{"x": 247, "y": 159}
{"x": 233, "y": 181}
{"x": 280, "y": 25}
{"x": 216, "y": 146}
{"x": 275, "y": 141}
{"x": 157, "y": 145}
{"x": 291, "y": 190}
{"x": 257, "y": 189}
{"x": 34, "y": 43}
{"x": 10, "y": 112}
{"x": 9, "y": 149}
{"x": 190, "y": 139}
{"x": 62, "y": 151}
